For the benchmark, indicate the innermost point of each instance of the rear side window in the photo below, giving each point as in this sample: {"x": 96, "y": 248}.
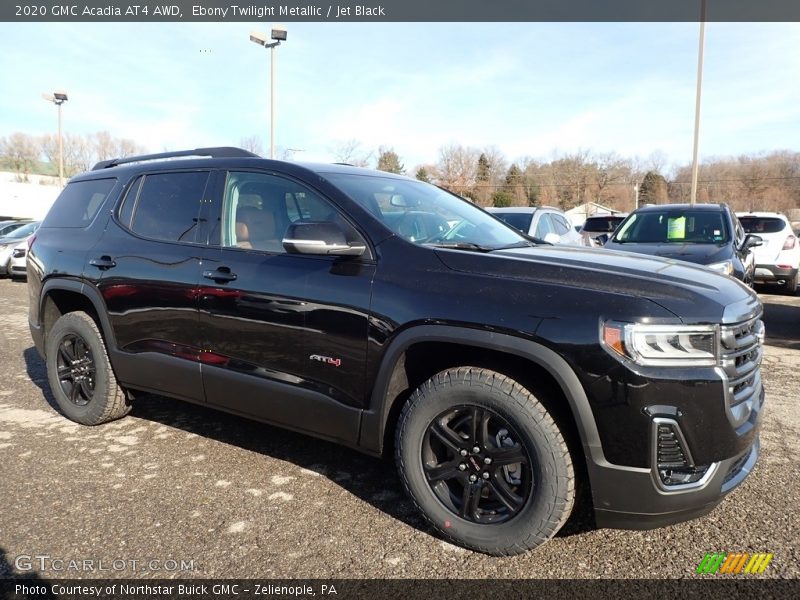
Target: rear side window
{"x": 762, "y": 224}
{"x": 165, "y": 206}
{"x": 78, "y": 204}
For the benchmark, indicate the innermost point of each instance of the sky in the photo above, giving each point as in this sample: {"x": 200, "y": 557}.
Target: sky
{"x": 529, "y": 89}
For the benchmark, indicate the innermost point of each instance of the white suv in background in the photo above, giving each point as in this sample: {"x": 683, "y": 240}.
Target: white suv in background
{"x": 543, "y": 222}
{"x": 778, "y": 258}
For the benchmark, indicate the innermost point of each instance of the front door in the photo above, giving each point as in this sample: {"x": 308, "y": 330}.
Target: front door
{"x": 285, "y": 335}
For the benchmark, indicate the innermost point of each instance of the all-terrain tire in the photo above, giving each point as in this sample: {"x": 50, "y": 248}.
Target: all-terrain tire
{"x": 551, "y": 496}
{"x": 76, "y": 352}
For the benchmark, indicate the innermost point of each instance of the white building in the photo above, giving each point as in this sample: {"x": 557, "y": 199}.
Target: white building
{"x": 580, "y": 213}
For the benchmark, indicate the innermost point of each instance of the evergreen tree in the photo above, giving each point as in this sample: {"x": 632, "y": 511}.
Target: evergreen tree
{"x": 423, "y": 175}
{"x": 389, "y": 161}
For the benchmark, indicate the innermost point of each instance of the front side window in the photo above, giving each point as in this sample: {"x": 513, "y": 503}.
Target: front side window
{"x": 544, "y": 226}
{"x": 424, "y": 214}
{"x": 677, "y": 226}
{"x": 258, "y": 208}
{"x": 165, "y": 206}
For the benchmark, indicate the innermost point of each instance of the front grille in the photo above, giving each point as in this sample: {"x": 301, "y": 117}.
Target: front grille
{"x": 742, "y": 351}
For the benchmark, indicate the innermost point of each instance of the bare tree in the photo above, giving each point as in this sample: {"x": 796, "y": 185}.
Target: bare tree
{"x": 351, "y": 153}
{"x": 457, "y": 167}
{"x": 252, "y": 144}
{"x": 22, "y": 151}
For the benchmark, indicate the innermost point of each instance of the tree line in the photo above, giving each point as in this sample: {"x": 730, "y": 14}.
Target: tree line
{"x": 765, "y": 181}
{"x": 26, "y": 154}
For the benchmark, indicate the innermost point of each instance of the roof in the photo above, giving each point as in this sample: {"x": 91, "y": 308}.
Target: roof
{"x": 521, "y": 209}
{"x": 222, "y": 157}
{"x": 661, "y": 207}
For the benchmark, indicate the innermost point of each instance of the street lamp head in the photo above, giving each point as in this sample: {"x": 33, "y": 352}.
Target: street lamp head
{"x": 279, "y": 33}
{"x": 258, "y": 38}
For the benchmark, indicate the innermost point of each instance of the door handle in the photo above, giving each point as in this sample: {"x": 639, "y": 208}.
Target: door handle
{"x": 221, "y": 274}
{"x": 102, "y": 263}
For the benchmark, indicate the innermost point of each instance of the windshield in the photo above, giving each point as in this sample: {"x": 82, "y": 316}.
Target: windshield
{"x": 669, "y": 226}
{"x": 762, "y": 224}
{"x": 22, "y": 232}
{"x": 424, "y": 214}
{"x": 602, "y": 224}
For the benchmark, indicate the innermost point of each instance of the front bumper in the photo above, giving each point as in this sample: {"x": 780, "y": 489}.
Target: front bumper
{"x": 632, "y": 500}
{"x": 769, "y": 273}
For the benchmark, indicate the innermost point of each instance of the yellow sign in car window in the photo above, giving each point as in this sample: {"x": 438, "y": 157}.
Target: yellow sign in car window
{"x": 676, "y": 228}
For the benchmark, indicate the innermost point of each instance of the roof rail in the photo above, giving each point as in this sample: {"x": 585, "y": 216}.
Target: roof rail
{"x": 221, "y": 152}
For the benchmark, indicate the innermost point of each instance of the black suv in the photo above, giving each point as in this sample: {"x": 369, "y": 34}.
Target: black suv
{"x": 500, "y": 373}
{"x": 705, "y": 234}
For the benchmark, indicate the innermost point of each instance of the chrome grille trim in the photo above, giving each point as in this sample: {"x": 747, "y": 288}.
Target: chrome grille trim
{"x": 741, "y": 356}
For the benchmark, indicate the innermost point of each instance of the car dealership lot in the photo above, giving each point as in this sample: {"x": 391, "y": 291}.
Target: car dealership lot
{"x": 182, "y": 491}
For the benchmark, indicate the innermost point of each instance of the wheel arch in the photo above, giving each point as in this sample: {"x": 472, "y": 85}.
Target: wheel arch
{"x": 391, "y": 385}
{"x": 61, "y": 296}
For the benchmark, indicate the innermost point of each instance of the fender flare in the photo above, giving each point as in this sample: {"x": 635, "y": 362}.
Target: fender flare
{"x": 91, "y": 293}
{"x": 375, "y": 417}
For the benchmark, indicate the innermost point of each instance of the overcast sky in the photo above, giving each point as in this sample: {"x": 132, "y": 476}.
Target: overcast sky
{"x": 528, "y": 88}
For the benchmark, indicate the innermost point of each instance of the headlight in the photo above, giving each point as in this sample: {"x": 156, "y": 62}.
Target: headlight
{"x": 663, "y": 345}
{"x": 726, "y": 266}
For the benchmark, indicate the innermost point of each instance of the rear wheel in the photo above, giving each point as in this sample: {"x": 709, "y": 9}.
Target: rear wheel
{"x": 484, "y": 461}
{"x": 80, "y": 374}
{"x": 790, "y": 285}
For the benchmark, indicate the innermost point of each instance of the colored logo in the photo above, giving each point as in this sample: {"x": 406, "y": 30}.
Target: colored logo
{"x": 736, "y": 563}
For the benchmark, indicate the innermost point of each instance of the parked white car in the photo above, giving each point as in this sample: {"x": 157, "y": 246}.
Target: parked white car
{"x": 16, "y": 266}
{"x": 9, "y": 242}
{"x": 777, "y": 259}
{"x": 542, "y": 222}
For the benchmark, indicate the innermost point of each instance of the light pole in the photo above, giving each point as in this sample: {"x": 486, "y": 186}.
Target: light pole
{"x": 695, "y": 166}
{"x": 279, "y": 35}
{"x": 58, "y": 98}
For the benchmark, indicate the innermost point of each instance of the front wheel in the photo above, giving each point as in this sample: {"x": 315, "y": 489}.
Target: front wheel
{"x": 484, "y": 461}
{"x": 80, "y": 374}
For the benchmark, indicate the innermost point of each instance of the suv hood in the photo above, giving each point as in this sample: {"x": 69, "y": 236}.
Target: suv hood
{"x": 702, "y": 254}
{"x": 692, "y": 293}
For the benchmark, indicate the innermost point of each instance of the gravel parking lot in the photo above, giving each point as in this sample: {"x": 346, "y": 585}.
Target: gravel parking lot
{"x": 177, "y": 490}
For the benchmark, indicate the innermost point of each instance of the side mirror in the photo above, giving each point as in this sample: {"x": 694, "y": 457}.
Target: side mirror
{"x": 320, "y": 239}
{"x": 602, "y": 239}
{"x": 751, "y": 241}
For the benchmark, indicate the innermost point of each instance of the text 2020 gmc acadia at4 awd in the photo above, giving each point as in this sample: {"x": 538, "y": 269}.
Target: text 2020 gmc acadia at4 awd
{"x": 389, "y": 315}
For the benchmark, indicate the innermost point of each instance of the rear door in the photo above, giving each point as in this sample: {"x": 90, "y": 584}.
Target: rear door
{"x": 284, "y": 335}
{"x": 147, "y": 267}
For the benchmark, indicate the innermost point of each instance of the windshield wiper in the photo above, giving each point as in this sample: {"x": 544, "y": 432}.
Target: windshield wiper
{"x": 461, "y": 246}
{"x": 523, "y": 244}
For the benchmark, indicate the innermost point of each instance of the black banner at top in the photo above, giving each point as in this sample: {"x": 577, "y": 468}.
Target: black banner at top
{"x": 399, "y": 10}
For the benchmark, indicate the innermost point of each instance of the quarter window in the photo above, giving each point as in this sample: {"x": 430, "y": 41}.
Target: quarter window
{"x": 78, "y": 203}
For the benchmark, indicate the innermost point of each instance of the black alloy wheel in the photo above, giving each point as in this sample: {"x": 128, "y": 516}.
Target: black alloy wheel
{"x": 475, "y": 465}
{"x": 76, "y": 369}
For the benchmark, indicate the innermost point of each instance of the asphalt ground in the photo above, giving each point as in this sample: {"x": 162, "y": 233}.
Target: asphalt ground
{"x": 177, "y": 490}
